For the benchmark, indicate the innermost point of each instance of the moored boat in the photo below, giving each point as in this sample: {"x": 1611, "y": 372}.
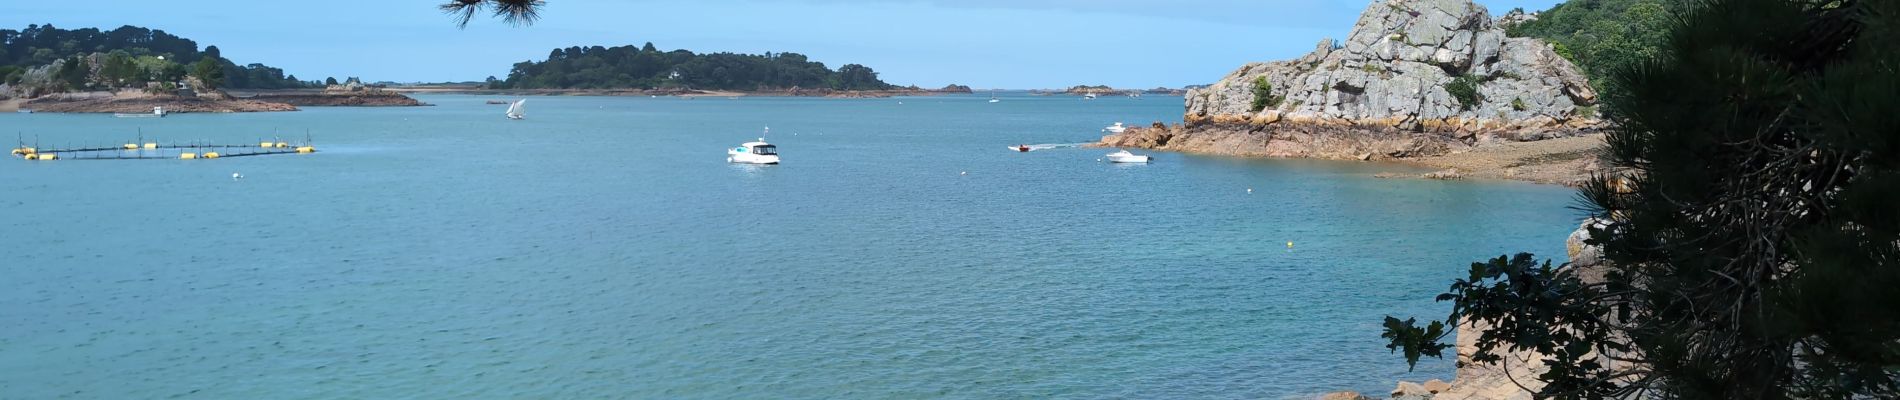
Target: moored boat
{"x": 1125, "y": 157}
{"x": 758, "y": 152}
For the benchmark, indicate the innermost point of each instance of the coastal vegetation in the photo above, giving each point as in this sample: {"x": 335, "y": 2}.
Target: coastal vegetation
{"x": 45, "y": 59}
{"x": 1744, "y": 236}
{"x": 1464, "y": 89}
{"x": 1601, "y": 35}
{"x": 646, "y": 67}
{"x": 1263, "y": 95}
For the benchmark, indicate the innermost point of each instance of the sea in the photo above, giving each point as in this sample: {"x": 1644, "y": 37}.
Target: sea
{"x": 604, "y": 248}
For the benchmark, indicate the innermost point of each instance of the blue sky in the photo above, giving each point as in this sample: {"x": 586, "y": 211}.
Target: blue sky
{"x": 982, "y": 43}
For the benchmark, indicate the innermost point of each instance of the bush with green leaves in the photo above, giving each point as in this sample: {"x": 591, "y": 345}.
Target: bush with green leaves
{"x": 1263, "y": 96}
{"x": 1750, "y": 230}
{"x": 1464, "y": 89}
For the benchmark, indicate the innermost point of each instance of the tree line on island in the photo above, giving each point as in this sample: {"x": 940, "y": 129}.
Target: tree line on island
{"x": 45, "y": 59}
{"x": 646, "y": 67}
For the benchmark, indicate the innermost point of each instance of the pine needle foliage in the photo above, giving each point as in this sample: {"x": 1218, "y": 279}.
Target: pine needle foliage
{"x": 1751, "y": 221}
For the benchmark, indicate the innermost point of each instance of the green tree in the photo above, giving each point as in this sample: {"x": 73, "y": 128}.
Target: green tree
{"x": 209, "y": 72}
{"x": 1263, "y": 96}
{"x": 329, "y": 81}
{"x": 513, "y": 12}
{"x": 76, "y": 73}
{"x": 1751, "y": 234}
{"x": 1602, "y": 35}
{"x": 119, "y": 70}
{"x": 11, "y": 74}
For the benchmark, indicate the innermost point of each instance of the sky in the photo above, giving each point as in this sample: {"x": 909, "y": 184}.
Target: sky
{"x": 1009, "y": 44}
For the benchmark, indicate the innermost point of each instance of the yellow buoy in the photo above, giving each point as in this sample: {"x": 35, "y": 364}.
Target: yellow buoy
{"x": 150, "y": 146}
{"x": 264, "y": 144}
{"x": 131, "y": 146}
{"x": 211, "y": 155}
{"x": 282, "y": 145}
{"x": 25, "y": 150}
{"x": 187, "y": 156}
{"x": 42, "y": 157}
{"x": 1289, "y": 245}
{"x": 307, "y": 149}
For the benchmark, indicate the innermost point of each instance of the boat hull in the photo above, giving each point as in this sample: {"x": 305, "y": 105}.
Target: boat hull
{"x": 747, "y": 158}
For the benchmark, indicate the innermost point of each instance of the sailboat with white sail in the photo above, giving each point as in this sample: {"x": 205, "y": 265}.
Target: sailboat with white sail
{"x": 515, "y": 111}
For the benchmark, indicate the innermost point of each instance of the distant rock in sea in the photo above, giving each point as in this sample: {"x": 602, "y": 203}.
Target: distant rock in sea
{"x": 954, "y": 88}
{"x": 1414, "y": 77}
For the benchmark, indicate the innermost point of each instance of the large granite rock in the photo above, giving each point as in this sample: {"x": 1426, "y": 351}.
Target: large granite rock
{"x": 1387, "y": 83}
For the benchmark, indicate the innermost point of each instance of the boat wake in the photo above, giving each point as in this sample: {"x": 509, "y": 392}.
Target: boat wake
{"x": 1046, "y": 146}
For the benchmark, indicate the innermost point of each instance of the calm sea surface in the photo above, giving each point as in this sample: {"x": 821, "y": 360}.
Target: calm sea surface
{"x": 604, "y": 249}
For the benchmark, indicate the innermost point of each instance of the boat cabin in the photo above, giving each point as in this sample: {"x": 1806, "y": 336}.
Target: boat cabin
{"x": 759, "y": 148}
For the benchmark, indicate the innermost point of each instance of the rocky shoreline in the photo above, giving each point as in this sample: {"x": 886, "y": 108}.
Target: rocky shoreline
{"x": 384, "y": 99}
{"x": 1568, "y": 160}
{"x": 144, "y": 105}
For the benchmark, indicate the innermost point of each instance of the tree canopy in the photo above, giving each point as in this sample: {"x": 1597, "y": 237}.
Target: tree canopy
{"x": 1602, "y": 35}
{"x": 646, "y": 67}
{"x": 127, "y": 56}
{"x": 1750, "y": 226}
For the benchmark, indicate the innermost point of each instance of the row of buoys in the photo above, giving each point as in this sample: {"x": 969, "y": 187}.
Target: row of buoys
{"x": 34, "y": 154}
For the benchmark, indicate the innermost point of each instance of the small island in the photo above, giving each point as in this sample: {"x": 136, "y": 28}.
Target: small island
{"x": 352, "y": 93}
{"x": 646, "y": 70}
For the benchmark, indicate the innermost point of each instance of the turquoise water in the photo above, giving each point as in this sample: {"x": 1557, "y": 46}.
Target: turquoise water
{"x": 604, "y": 249}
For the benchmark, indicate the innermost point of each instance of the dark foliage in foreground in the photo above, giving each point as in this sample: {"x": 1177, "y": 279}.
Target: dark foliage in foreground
{"x": 1752, "y": 221}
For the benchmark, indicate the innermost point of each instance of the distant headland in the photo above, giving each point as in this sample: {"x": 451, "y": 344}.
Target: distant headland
{"x": 133, "y": 70}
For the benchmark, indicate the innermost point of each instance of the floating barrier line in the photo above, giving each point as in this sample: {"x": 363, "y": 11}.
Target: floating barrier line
{"x": 143, "y": 150}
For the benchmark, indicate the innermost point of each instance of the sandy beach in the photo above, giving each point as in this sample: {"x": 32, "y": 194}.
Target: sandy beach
{"x": 1563, "y": 161}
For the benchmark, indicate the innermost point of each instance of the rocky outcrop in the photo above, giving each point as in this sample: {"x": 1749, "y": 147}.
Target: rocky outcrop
{"x": 1344, "y": 396}
{"x": 1415, "y": 77}
{"x": 141, "y": 104}
{"x": 1095, "y": 90}
{"x": 955, "y": 88}
{"x": 363, "y": 99}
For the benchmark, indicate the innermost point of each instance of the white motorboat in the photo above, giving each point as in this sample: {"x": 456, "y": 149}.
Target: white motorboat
{"x": 758, "y": 152}
{"x": 157, "y": 112}
{"x": 1090, "y": 96}
{"x": 1116, "y": 128}
{"x": 515, "y": 111}
{"x": 1126, "y": 157}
